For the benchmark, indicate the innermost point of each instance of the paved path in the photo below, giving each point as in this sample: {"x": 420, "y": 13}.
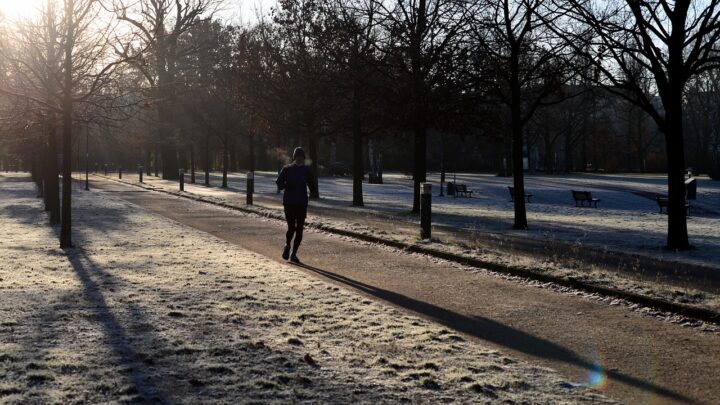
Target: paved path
{"x": 666, "y": 269}
{"x": 643, "y": 360}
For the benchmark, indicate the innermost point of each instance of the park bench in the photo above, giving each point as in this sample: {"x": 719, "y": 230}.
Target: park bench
{"x": 582, "y": 196}
{"x": 663, "y": 202}
{"x": 462, "y": 190}
{"x": 512, "y": 194}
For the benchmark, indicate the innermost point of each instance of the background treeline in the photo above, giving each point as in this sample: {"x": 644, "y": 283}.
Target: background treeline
{"x": 365, "y": 85}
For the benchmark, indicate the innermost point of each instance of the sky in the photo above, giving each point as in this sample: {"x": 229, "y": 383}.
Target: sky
{"x": 244, "y": 11}
{"x": 236, "y": 11}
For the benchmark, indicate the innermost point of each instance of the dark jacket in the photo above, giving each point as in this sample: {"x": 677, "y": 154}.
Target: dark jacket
{"x": 295, "y": 180}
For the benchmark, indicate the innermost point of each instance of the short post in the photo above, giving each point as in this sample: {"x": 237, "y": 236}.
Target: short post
{"x": 140, "y": 173}
{"x": 106, "y": 169}
{"x": 250, "y": 187}
{"x": 425, "y": 210}
{"x": 120, "y": 172}
{"x": 182, "y": 179}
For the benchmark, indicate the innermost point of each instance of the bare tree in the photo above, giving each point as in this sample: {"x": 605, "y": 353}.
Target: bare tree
{"x": 62, "y": 66}
{"x": 639, "y": 137}
{"x": 297, "y": 76}
{"x": 525, "y": 63}
{"x": 158, "y": 25}
{"x": 88, "y": 69}
{"x": 33, "y": 57}
{"x": 675, "y": 40}
{"x": 349, "y": 35}
{"x": 209, "y": 84}
{"x": 423, "y": 42}
{"x": 702, "y": 115}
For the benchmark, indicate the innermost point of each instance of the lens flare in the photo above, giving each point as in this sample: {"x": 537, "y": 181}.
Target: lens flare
{"x": 596, "y": 377}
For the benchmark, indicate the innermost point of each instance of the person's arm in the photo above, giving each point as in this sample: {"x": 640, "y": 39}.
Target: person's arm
{"x": 282, "y": 179}
{"x": 312, "y": 182}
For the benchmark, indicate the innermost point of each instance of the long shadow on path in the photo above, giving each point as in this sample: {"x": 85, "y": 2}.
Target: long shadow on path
{"x": 495, "y": 332}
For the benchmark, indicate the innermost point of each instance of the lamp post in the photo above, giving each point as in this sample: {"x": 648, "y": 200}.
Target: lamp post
{"x": 425, "y": 210}
{"x": 250, "y": 187}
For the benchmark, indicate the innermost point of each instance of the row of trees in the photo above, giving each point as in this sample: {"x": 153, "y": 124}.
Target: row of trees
{"x": 177, "y": 81}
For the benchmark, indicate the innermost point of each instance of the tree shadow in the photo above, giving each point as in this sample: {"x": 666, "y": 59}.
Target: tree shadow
{"x": 498, "y": 333}
{"x": 118, "y": 338}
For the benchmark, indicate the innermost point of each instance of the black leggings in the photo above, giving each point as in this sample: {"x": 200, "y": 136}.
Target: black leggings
{"x": 295, "y": 217}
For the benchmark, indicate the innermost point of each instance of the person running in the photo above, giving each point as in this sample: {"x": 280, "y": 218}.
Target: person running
{"x": 295, "y": 179}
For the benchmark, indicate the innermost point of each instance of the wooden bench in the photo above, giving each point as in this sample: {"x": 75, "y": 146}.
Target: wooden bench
{"x": 512, "y": 194}
{"x": 462, "y": 190}
{"x": 582, "y": 196}
{"x": 663, "y": 202}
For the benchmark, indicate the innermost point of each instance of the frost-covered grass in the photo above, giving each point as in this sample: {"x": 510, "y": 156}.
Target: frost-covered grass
{"x": 489, "y": 217}
{"x": 150, "y": 310}
{"x": 627, "y": 218}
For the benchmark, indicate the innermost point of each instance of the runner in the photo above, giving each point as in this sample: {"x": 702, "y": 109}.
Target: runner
{"x": 295, "y": 180}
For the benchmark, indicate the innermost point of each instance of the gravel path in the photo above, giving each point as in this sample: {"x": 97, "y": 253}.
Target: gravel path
{"x": 631, "y": 357}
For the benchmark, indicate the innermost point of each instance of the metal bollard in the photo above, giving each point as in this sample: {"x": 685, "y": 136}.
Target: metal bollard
{"x": 182, "y": 179}
{"x": 250, "y": 187}
{"x": 425, "y": 210}
{"x": 140, "y": 173}
{"x": 119, "y": 172}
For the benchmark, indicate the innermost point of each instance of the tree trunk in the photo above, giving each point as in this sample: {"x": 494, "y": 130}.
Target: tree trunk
{"x": 419, "y": 163}
{"x": 148, "y": 159}
{"x": 37, "y": 169}
{"x": 549, "y": 160}
{"x": 170, "y": 167}
{"x": 52, "y": 190}
{"x": 518, "y": 178}
{"x": 67, "y": 110}
{"x": 371, "y": 156}
{"x": 358, "y": 167}
{"x": 641, "y": 149}
{"x": 314, "y": 149}
{"x": 192, "y": 165}
{"x": 516, "y": 125}
{"x": 168, "y": 143}
{"x": 677, "y": 237}
{"x": 251, "y": 149}
{"x": 507, "y": 165}
{"x": 568, "y": 158}
{"x": 225, "y": 160}
{"x": 207, "y": 159}
{"x": 233, "y": 165}
{"x": 156, "y": 160}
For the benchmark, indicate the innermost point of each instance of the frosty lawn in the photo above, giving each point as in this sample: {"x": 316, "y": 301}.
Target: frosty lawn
{"x": 137, "y": 314}
{"x": 489, "y": 218}
{"x": 627, "y": 218}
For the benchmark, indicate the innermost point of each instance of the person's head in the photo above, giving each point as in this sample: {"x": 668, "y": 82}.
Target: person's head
{"x": 299, "y": 156}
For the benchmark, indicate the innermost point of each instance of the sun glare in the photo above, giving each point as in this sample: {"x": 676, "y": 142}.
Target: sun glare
{"x": 19, "y": 8}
